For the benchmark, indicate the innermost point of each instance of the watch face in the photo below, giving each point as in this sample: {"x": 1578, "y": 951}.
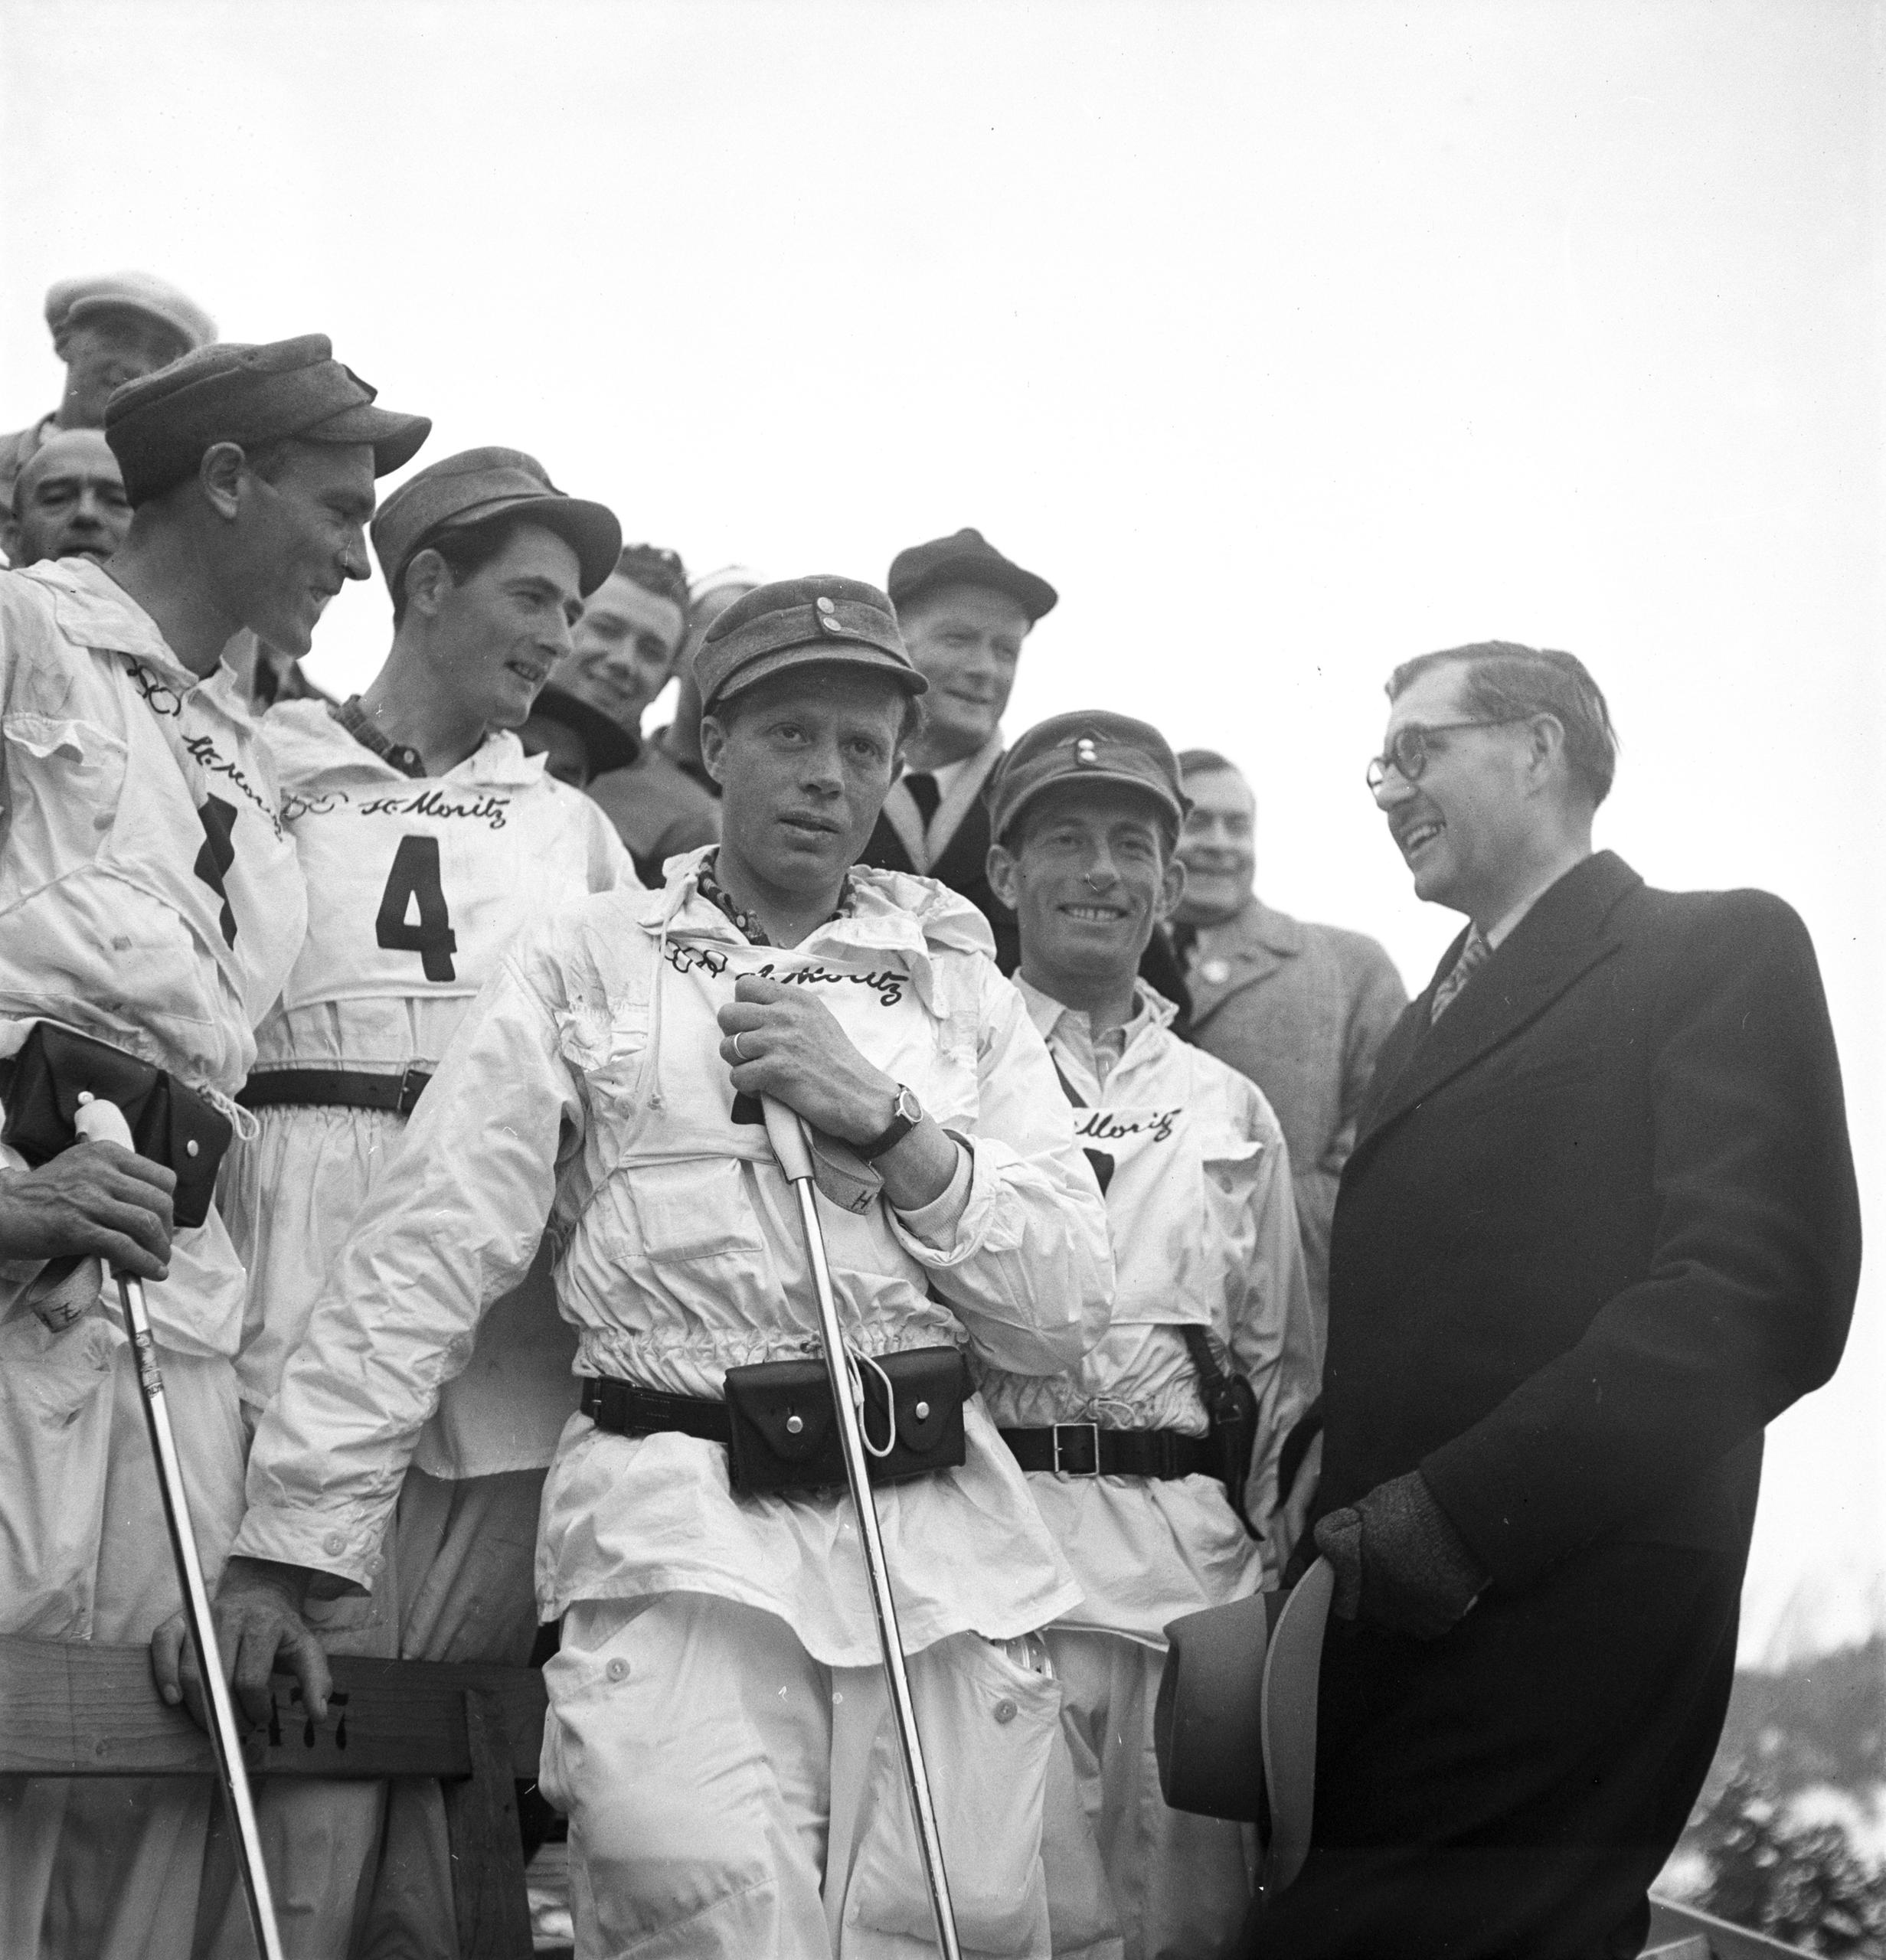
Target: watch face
{"x": 908, "y": 1107}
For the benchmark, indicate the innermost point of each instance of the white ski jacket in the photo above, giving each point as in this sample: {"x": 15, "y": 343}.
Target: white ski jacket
{"x": 1199, "y": 1199}
{"x": 148, "y": 893}
{"x": 586, "y": 1090}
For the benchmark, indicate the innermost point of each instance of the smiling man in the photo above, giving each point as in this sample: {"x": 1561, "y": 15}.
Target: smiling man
{"x": 1302, "y": 1009}
{"x": 149, "y": 898}
{"x": 1126, "y": 1459}
{"x": 628, "y": 646}
{"x": 964, "y": 610}
{"x": 428, "y": 839}
{"x": 108, "y": 330}
{"x": 69, "y": 502}
{"x": 718, "y": 1728}
{"x": 1600, "y": 1227}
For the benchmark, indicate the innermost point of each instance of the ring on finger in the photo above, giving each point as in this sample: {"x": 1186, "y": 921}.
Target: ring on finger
{"x": 740, "y": 1054}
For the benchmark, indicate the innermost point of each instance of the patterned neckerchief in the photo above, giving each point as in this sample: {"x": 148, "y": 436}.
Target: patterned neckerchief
{"x": 710, "y": 888}
{"x": 353, "y": 717}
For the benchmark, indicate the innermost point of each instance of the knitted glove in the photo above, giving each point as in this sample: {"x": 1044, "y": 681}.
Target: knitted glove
{"x": 1400, "y": 1564}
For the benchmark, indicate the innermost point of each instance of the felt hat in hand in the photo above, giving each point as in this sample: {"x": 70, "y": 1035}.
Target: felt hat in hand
{"x": 1235, "y": 1723}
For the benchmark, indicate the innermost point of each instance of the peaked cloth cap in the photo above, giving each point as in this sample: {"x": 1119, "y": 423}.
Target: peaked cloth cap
{"x": 817, "y": 622}
{"x": 69, "y": 301}
{"x": 159, "y": 425}
{"x": 966, "y": 558}
{"x": 1091, "y": 746}
{"x": 477, "y": 484}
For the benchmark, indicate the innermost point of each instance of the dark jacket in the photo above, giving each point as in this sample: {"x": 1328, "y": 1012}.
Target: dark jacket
{"x": 1599, "y": 1226}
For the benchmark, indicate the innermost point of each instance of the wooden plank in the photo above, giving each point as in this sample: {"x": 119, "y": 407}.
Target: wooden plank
{"x": 488, "y": 1887}
{"x": 72, "y": 1708}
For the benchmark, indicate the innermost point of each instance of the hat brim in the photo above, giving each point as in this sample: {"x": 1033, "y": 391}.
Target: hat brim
{"x": 1036, "y": 597}
{"x": 589, "y": 530}
{"x": 1117, "y": 778}
{"x": 610, "y": 745}
{"x": 394, "y": 438}
{"x": 1234, "y": 1727}
{"x": 852, "y": 654}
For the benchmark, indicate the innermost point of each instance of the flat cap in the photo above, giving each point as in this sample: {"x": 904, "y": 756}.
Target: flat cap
{"x": 159, "y": 425}
{"x": 966, "y": 559}
{"x": 1091, "y": 746}
{"x": 69, "y": 301}
{"x": 821, "y": 621}
{"x": 477, "y": 484}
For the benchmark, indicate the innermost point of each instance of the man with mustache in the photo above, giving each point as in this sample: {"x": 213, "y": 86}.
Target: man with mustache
{"x": 1121, "y": 1448}
{"x": 429, "y": 840}
{"x": 108, "y": 330}
{"x": 69, "y": 502}
{"x": 718, "y": 1725}
{"x": 150, "y": 899}
{"x": 1599, "y": 1228}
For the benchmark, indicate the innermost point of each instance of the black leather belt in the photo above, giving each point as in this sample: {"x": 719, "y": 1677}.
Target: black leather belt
{"x": 627, "y": 1409}
{"x": 334, "y": 1088}
{"x": 1085, "y": 1449}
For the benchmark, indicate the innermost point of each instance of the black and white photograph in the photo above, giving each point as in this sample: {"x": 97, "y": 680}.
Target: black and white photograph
{"x": 942, "y": 979}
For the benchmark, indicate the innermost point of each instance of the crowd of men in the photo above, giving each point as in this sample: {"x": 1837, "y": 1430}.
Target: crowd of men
{"x": 1189, "y": 1253}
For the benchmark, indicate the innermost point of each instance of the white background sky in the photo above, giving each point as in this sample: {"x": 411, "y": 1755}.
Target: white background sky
{"x": 1287, "y": 340}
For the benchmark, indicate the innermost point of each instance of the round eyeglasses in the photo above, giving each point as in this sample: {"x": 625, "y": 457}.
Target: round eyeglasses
{"x": 1408, "y": 754}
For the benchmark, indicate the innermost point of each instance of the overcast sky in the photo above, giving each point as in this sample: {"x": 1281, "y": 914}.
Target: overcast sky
{"x": 1287, "y": 340}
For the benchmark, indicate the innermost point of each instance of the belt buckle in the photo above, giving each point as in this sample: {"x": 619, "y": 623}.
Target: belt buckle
{"x": 412, "y": 1082}
{"x": 1092, "y": 1467}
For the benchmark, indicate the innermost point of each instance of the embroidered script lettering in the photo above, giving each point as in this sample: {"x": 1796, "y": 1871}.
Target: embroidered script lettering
{"x": 489, "y": 810}
{"x": 1157, "y": 1126}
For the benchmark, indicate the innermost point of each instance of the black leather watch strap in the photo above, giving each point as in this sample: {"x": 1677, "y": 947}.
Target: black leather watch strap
{"x": 908, "y": 1113}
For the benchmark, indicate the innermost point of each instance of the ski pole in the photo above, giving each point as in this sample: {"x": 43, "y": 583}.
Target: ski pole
{"x": 787, "y": 1134}
{"x": 103, "y": 1123}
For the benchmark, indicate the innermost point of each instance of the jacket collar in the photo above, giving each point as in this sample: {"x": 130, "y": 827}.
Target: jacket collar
{"x": 93, "y": 610}
{"x": 1567, "y": 932}
{"x": 1239, "y": 951}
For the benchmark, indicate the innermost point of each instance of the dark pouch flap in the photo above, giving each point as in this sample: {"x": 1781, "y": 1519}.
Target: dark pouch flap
{"x": 932, "y": 1380}
{"x": 166, "y": 1119}
{"x": 53, "y": 1066}
{"x": 767, "y": 1452}
{"x": 781, "y": 1428}
{"x": 182, "y": 1129}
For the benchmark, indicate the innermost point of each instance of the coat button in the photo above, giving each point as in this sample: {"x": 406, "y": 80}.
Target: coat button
{"x": 1005, "y": 1710}
{"x": 618, "y": 1669}
{"x": 192, "y": 1148}
{"x": 335, "y": 1544}
{"x": 1215, "y": 972}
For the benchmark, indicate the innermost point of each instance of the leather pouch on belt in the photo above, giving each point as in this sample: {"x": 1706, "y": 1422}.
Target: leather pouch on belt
{"x": 783, "y": 1431}
{"x": 169, "y": 1123}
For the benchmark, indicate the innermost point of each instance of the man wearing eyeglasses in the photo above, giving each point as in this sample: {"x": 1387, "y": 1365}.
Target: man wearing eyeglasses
{"x": 1599, "y": 1226}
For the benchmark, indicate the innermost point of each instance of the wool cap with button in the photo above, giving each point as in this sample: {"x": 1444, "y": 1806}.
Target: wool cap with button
{"x": 817, "y": 622}
{"x": 159, "y": 425}
{"x": 477, "y": 484}
{"x": 69, "y": 301}
{"x": 968, "y": 558}
{"x": 1089, "y": 746}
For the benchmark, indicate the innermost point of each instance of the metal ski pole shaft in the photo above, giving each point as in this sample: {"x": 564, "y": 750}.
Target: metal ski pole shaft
{"x": 787, "y": 1134}
{"x": 103, "y": 1123}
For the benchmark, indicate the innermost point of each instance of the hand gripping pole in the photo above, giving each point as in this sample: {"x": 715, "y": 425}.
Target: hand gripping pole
{"x": 787, "y": 1134}
{"x": 103, "y": 1123}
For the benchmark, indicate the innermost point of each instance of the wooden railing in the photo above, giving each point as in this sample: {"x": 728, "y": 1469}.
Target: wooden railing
{"x": 76, "y": 1708}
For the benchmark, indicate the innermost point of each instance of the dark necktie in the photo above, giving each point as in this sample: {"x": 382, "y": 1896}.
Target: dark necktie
{"x": 924, "y": 793}
{"x": 1473, "y": 955}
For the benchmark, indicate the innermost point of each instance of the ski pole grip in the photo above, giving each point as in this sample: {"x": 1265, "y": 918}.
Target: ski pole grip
{"x": 99, "y": 1121}
{"x": 786, "y": 1133}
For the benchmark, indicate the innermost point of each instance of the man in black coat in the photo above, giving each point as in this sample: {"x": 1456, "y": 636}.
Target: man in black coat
{"x": 1600, "y": 1227}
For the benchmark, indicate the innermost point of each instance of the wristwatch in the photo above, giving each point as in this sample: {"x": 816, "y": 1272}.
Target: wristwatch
{"x": 906, "y": 1114}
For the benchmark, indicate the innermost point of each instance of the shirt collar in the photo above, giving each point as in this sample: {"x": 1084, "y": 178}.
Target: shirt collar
{"x": 716, "y": 894}
{"x": 396, "y": 755}
{"x": 1071, "y": 1029}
